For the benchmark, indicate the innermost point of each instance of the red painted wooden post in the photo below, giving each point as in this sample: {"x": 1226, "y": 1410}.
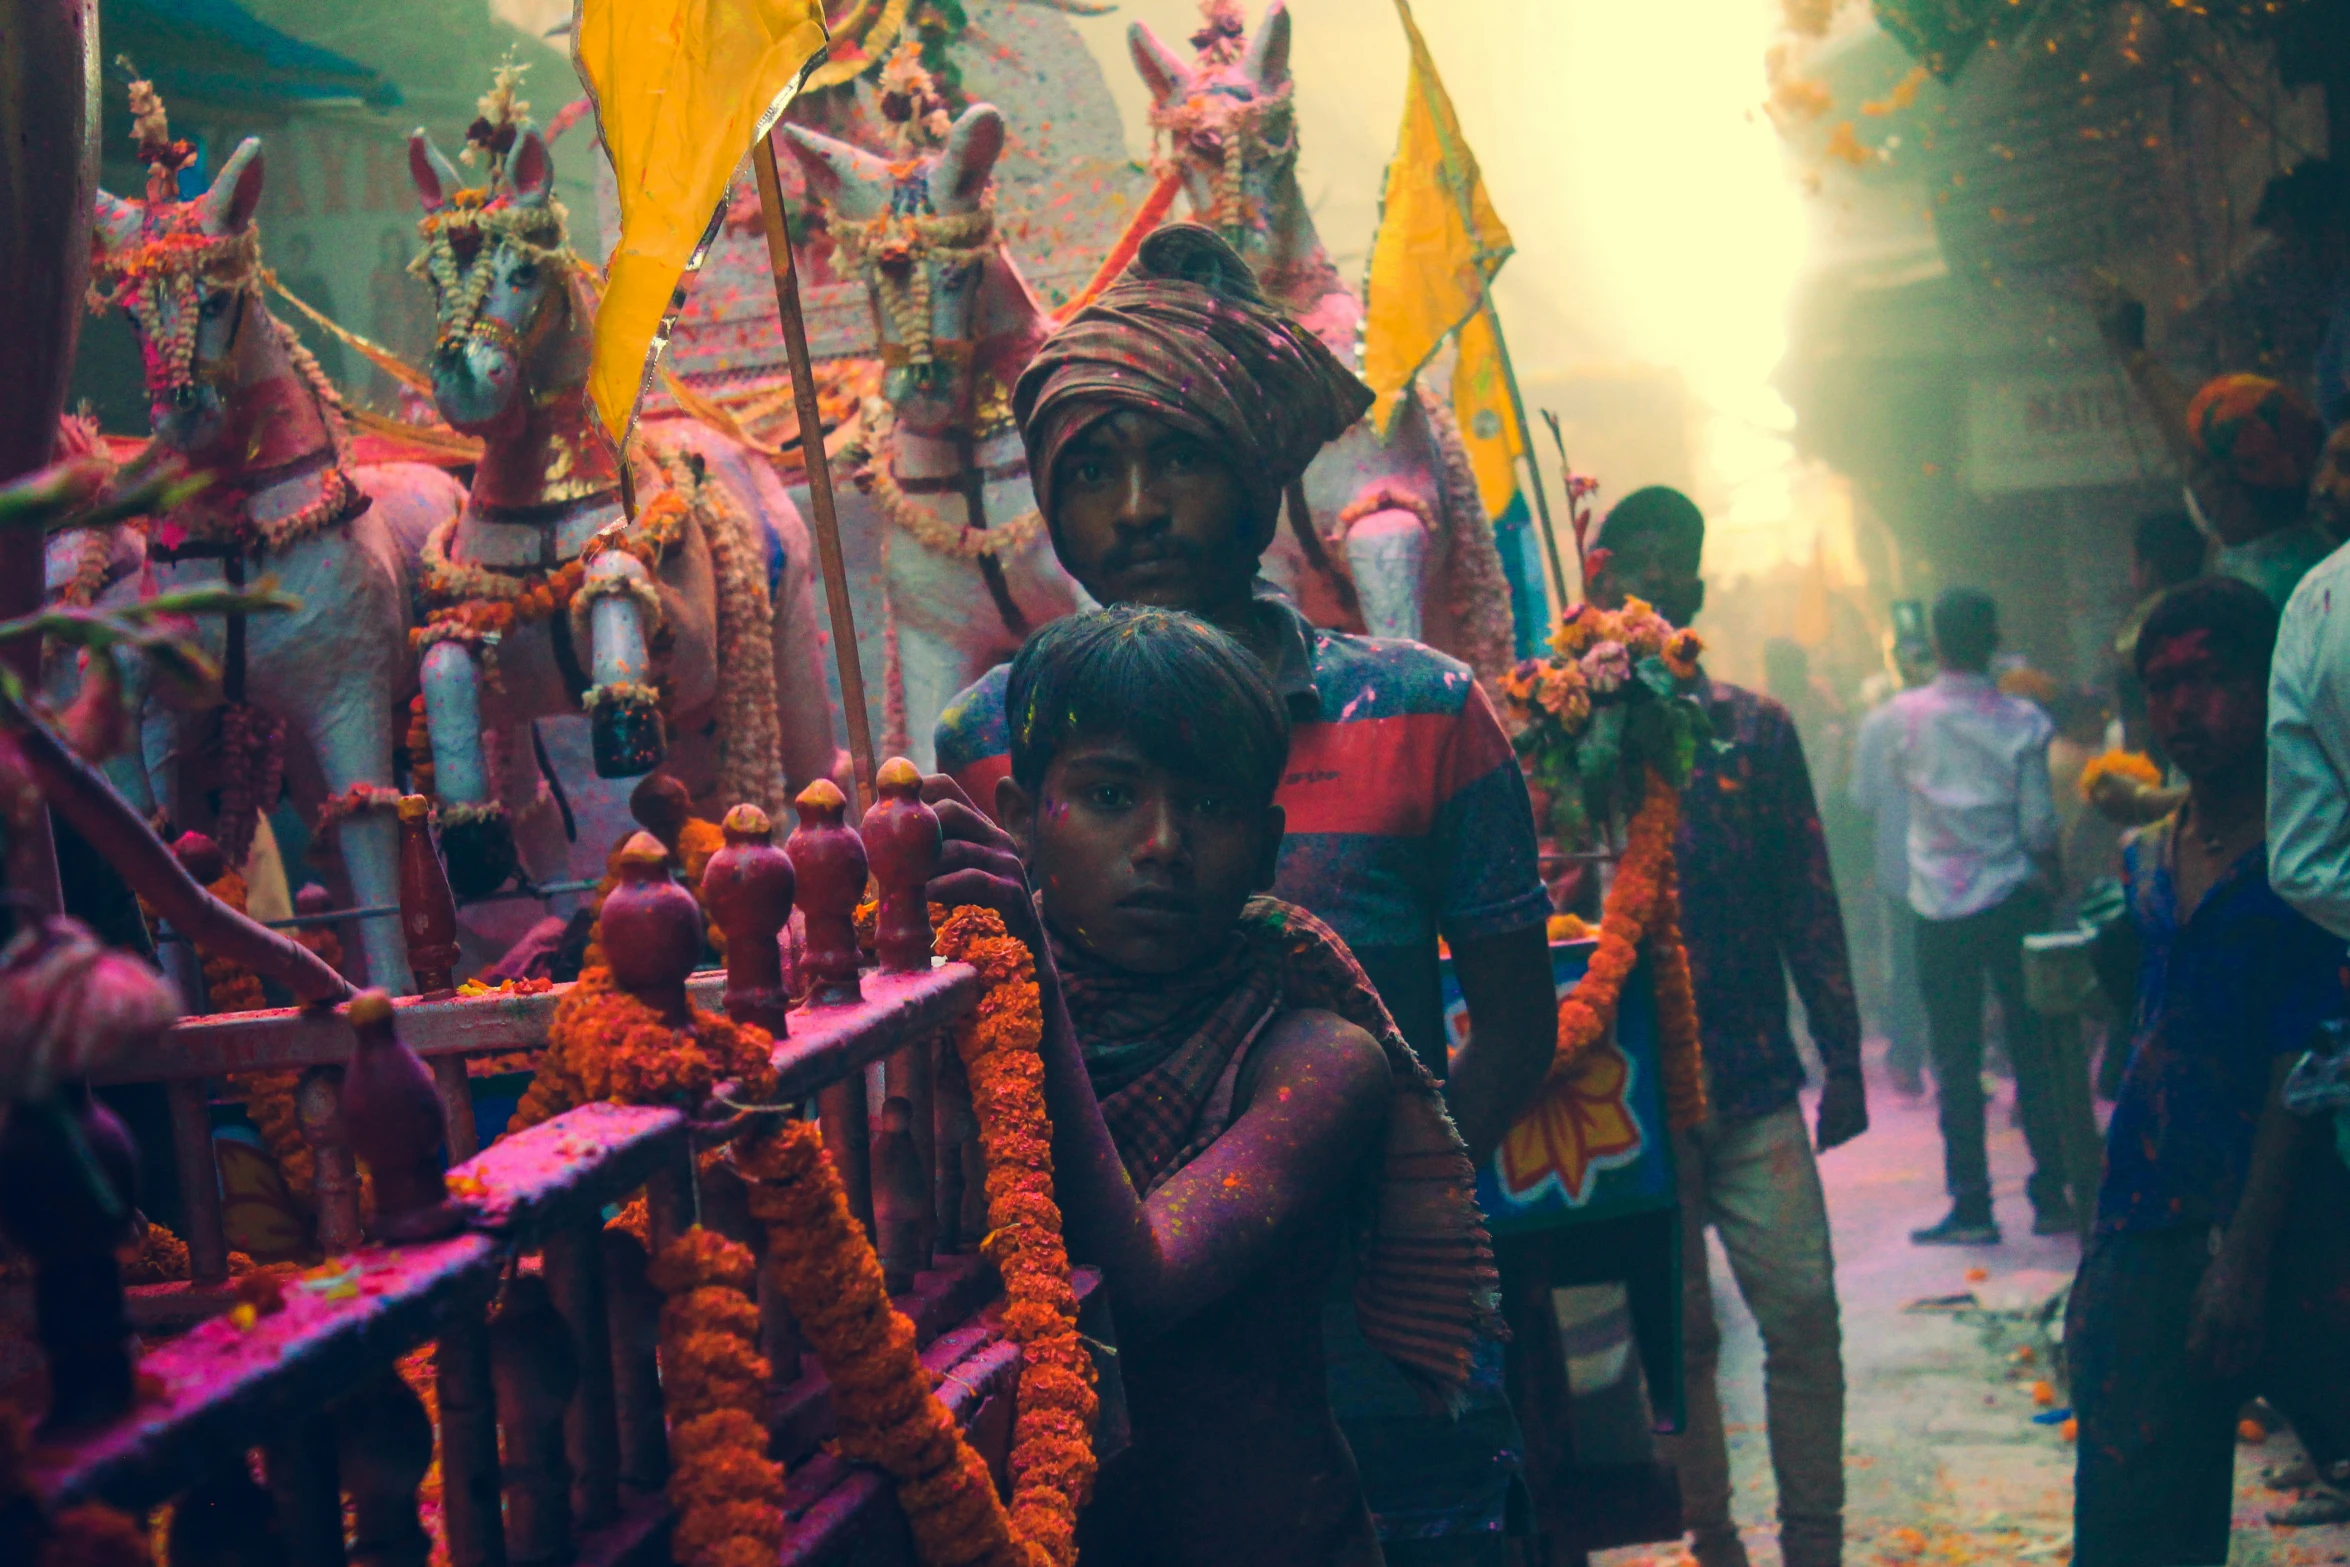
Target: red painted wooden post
{"x": 535, "y": 1373}
{"x": 828, "y": 862}
{"x": 902, "y": 842}
{"x": 591, "y": 1440}
{"x": 652, "y": 930}
{"x": 393, "y": 1113}
{"x": 748, "y": 887}
{"x": 428, "y": 912}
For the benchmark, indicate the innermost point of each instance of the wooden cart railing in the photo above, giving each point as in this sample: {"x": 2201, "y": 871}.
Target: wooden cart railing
{"x": 541, "y": 1322}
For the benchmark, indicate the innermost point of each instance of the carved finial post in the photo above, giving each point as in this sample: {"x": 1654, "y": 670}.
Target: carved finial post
{"x": 428, "y": 912}
{"x": 383, "y": 1447}
{"x": 902, "y": 842}
{"x": 318, "y": 1111}
{"x": 535, "y": 1373}
{"x": 748, "y": 888}
{"x": 652, "y": 930}
{"x": 829, "y": 861}
{"x": 393, "y": 1113}
{"x": 69, "y": 1183}
{"x": 901, "y": 1197}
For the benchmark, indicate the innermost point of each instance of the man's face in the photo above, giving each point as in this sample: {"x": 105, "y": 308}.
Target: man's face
{"x": 1145, "y": 513}
{"x": 2207, "y": 715}
{"x": 1657, "y": 567}
{"x": 1143, "y": 868}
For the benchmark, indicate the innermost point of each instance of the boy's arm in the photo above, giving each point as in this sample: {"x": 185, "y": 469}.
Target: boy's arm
{"x": 1319, "y": 1099}
{"x": 1506, "y": 982}
{"x": 2231, "y": 1304}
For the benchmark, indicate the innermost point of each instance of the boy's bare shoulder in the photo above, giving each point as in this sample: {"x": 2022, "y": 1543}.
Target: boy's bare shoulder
{"x": 1313, "y": 1049}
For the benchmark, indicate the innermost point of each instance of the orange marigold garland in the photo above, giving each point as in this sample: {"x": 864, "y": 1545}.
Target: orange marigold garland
{"x": 1052, "y": 1441}
{"x": 830, "y": 1278}
{"x": 1643, "y": 902}
{"x": 727, "y": 1493}
{"x": 603, "y": 1043}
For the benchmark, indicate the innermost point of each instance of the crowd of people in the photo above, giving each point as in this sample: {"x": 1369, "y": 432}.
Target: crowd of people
{"x": 1237, "y": 840}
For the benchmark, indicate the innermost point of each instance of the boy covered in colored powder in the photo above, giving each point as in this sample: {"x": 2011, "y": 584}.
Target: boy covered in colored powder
{"x": 2219, "y": 1266}
{"x": 1234, "y": 1112}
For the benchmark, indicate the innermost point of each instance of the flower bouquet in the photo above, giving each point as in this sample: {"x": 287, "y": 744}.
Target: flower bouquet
{"x": 1617, "y": 698}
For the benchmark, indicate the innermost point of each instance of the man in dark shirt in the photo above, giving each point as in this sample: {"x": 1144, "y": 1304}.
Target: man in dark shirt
{"x": 2219, "y": 1266}
{"x": 1757, "y": 905}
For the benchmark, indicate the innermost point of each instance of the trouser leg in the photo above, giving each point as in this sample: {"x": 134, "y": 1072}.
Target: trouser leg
{"x": 1905, "y": 1015}
{"x": 1700, "y": 1454}
{"x": 2155, "y": 1461}
{"x": 2027, "y": 1049}
{"x": 1772, "y": 1217}
{"x": 1950, "y": 976}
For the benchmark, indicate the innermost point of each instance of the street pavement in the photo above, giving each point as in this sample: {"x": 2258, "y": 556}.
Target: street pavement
{"x": 1944, "y": 1462}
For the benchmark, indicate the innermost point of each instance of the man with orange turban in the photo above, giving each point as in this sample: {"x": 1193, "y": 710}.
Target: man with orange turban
{"x": 2249, "y": 445}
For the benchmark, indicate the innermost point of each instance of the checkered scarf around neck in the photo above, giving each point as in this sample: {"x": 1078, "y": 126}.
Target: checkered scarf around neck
{"x": 1165, "y": 1052}
{"x": 1187, "y": 336}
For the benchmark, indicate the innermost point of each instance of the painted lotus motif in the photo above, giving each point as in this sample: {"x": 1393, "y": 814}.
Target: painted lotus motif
{"x": 1582, "y": 1125}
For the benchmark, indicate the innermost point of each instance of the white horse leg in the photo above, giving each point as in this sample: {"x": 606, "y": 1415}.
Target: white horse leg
{"x": 624, "y": 722}
{"x": 933, "y": 670}
{"x": 452, "y": 716}
{"x": 1388, "y": 551}
{"x": 351, "y": 735}
{"x": 127, "y": 769}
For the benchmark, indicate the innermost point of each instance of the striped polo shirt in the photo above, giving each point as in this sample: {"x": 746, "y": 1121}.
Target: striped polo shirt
{"x": 1408, "y": 817}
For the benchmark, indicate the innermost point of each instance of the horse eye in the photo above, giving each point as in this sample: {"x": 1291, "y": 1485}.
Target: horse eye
{"x": 524, "y": 276}
{"x": 214, "y": 304}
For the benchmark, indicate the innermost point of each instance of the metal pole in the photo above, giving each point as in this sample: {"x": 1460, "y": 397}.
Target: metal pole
{"x": 827, "y": 521}
{"x": 1550, "y": 542}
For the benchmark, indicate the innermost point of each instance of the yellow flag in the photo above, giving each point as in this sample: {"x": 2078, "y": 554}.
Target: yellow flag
{"x": 1439, "y": 241}
{"x": 682, "y": 89}
{"x": 1486, "y": 405}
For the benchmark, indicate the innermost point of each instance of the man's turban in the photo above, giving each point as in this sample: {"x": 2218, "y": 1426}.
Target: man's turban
{"x": 1186, "y": 336}
{"x": 2257, "y": 432}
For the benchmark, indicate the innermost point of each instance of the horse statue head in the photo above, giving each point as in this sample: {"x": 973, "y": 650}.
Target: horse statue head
{"x": 1229, "y": 123}
{"x": 957, "y": 320}
{"x": 504, "y": 281}
{"x": 188, "y": 275}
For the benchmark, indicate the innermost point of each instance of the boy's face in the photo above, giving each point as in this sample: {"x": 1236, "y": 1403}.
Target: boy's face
{"x": 1145, "y": 513}
{"x": 1144, "y": 868}
{"x": 2208, "y": 716}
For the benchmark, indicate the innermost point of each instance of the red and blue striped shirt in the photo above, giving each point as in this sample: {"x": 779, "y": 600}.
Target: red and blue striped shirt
{"x": 1408, "y": 817}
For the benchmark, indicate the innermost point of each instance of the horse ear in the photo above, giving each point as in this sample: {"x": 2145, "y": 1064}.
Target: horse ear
{"x": 236, "y": 190}
{"x": 1268, "y": 52}
{"x": 1166, "y": 76}
{"x": 972, "y": 148}
{"x": 118, "y": 222}
{"x": 531, "y": 170}
{"x": 430, "y": 170}
{"x": 838, "y": 173}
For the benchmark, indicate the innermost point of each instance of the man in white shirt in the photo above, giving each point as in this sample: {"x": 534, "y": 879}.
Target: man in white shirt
{"x": 2309, "y": 749}
{"x": 1982, "y": 839}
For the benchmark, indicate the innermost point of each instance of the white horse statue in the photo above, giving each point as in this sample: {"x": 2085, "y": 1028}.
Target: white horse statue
{"x": 1401, "y": 514}
{"x": 967, "y": 568}
{"x": 688, "y": 635}
{"x": 234, "y": 394}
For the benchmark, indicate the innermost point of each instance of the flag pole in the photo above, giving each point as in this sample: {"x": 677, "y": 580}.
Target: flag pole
{"x": 1509, "y": 376}
{"x": 827, "y": 521}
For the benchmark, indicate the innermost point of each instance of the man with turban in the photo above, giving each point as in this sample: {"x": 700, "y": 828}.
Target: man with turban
{"x": 1163, "y": 424}
{"x": 2249, "y": 446}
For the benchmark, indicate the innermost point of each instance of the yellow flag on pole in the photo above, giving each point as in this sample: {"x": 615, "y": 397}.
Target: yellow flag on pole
{"x": 1439, "y": 243}
{"x": 1485, "y": 404}
{"x": 682, "y": 89}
